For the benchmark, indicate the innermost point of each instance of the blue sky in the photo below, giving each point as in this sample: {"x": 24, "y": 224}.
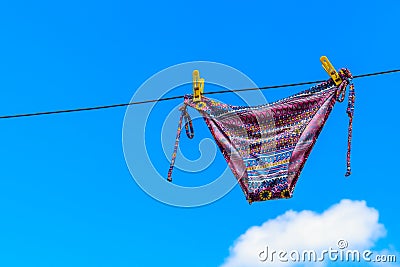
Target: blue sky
{"x": 68, "y": 198}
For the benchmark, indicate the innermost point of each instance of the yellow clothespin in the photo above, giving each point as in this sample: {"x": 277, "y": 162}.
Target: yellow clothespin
{"x": 198, "y": 86}
{"x": 328, "y": 67}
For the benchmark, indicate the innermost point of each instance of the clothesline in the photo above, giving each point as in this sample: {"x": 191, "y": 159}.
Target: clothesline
{"x": 181, "y": 96}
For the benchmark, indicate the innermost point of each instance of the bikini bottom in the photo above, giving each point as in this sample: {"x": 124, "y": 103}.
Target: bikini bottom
{"x": 267, "y": 146}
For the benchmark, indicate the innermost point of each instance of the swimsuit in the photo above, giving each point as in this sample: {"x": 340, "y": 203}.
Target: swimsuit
{"x": 267, "y": 146}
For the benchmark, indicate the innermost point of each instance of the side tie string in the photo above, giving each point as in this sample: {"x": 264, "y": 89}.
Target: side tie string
{"x": 189, "y": 132}
{"x": 340, "y": 95}
{"x": 350, "y": 113}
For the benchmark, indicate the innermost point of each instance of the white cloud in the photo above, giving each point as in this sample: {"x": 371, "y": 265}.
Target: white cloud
{"x": 349, "y": 220}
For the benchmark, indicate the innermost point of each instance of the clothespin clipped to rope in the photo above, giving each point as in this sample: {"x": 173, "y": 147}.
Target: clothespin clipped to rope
{"x": 328, "y": 67}
{"x": 198, "y": 86}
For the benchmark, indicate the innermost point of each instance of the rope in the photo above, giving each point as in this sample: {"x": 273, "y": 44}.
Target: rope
{"x": 181, "y": 96}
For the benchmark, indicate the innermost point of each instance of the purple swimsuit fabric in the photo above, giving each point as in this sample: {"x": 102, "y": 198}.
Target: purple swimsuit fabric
{"x": 267, "y": 146}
